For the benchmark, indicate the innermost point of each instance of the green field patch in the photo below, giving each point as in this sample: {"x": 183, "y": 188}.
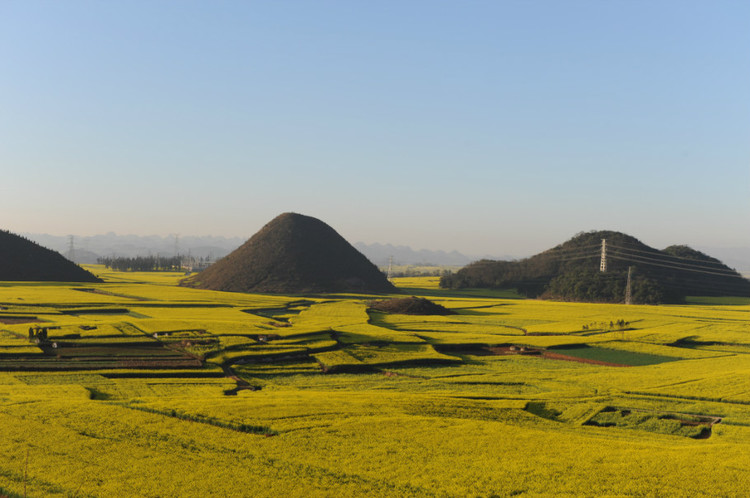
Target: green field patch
{"x": 101, "y": 311}
{"x": 611, "y": 356}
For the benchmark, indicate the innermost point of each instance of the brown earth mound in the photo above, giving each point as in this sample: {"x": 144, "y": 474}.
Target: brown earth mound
{"x": 293, "y": 254}
{"x": 411, "y": 306}
{"x": 24, "y": 260}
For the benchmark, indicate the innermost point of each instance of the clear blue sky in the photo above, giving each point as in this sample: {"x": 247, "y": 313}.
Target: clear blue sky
{"x": 490, "y": 127}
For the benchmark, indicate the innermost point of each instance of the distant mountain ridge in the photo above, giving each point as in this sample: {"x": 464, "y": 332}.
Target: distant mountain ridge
{"x": 381, "y": 254}
{"x": 87, "y": 249}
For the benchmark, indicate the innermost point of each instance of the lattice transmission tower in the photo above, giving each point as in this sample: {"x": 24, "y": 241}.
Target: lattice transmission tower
{"x": 628, "y": 292}
{"x": 71, "y": 248}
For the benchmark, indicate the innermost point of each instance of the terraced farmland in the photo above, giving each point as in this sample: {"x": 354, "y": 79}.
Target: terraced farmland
{"x": 138, "y": 387}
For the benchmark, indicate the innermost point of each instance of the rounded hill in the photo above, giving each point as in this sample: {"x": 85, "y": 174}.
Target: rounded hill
{"x": 293, "y": 254}
{"x": 23, "y": 260}
{"x": 572, "y": 271}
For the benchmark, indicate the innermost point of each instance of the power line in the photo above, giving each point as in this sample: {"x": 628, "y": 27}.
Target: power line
{"x": 674, "y": 267}
{"x": 677, "y": 264}
{"x": 716, "y": 266}
{"x": 667, "y": 255}
{"x": 580, "y": 257}
{"x": 645, "y": 257}
{"x": 655, "y": 262}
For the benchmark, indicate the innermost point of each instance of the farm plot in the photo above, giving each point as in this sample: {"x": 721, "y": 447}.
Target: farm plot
{"x": 286, "y": 396}
{"x": 605, "y": 356}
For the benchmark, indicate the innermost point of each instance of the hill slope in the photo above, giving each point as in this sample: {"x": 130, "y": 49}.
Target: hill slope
{"x": 293, "y": 254}
{"x": 24, "y": 260}
{"x": 570, "y": 271}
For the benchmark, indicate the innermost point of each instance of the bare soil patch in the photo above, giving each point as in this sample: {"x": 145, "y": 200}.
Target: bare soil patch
{"x": 20, "y": 319}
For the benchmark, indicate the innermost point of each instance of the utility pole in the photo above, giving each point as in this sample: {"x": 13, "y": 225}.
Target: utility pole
{"x": 390, "y": 267}
{"x": 628, "y": 293}
{"x": 603, "y": 261}
{"x": 71, "y": 248}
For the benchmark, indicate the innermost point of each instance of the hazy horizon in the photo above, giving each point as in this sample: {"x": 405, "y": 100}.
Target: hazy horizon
{"x": 737, "y": 257}
{"x": 482, "y": 127}
{"x": 498, "y": 251}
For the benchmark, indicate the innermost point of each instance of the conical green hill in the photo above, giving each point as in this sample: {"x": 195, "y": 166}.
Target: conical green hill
{"x": 293, "y": 254}
{"x": 24, "y": 260}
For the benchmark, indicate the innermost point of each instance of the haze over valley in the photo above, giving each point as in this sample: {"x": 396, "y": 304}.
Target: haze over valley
{"x": 87, "y": 249}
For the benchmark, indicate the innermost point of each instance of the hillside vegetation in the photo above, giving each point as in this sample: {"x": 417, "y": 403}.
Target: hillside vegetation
{"x": 293, "y": 254}
{"x": 571, "y": 271}
{"x": 24, "y": 260}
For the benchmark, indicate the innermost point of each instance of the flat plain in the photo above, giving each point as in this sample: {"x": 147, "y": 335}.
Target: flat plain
{"x": 138, "y": 387}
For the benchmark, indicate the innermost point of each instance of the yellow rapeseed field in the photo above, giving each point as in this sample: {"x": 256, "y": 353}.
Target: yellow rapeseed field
{"x": 138, "y": 387}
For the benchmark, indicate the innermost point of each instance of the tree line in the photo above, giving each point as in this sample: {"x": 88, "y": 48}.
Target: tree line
{"x": 155, "y": 263}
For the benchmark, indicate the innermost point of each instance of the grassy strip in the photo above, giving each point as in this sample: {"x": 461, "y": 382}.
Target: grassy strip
{"x": 202, "y": 419}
